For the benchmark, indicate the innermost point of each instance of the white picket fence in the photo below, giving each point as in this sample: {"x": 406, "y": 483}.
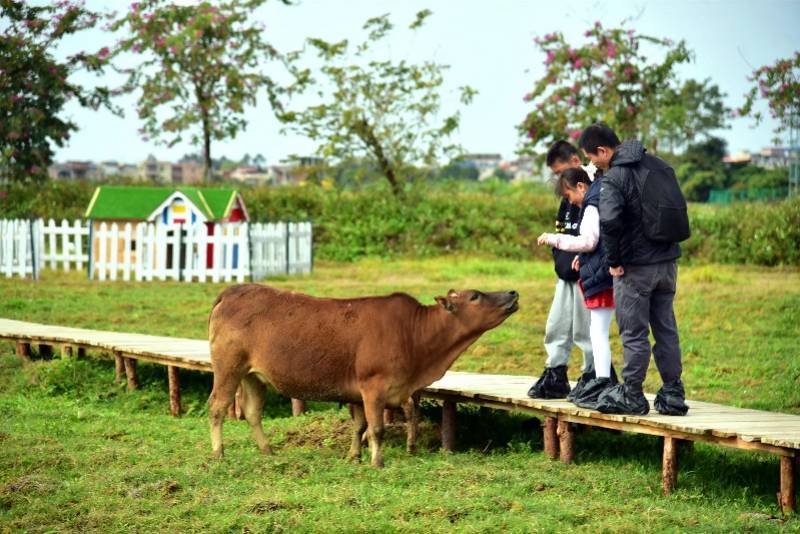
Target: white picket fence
{"x": 149, "y": 251}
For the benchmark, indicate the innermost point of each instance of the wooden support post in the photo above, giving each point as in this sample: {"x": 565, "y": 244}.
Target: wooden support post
{"x": 46, "y": 351}
{"x": 119, "y": 367}
{"x": 566, "y": 441}
{"x": 787, "y": 496}
{"x": 24, "y": 351}
{"x": 130, "y": 372}
{"x": 388, "y": 416}
{"x": 448, "y": 426}
{"x": 66, "y": 351}
{"x": 298, "y": 407}
{"x": 551, "y": 437}
{"x": 174, "y": 391}
{"x": 669, "y": 465}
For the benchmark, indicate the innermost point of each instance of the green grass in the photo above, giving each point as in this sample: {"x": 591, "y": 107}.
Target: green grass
{"x": 80, "y": 453}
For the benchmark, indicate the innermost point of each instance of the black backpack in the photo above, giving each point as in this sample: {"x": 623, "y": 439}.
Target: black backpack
{"x": 664, "y": 214}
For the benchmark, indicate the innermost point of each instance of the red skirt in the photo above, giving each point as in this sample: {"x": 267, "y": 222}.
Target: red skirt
{"x": 604, "y": 299}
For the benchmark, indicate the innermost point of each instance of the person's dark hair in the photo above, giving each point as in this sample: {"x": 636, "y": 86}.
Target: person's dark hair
{"x": 595, "y": 135}
{"x": 570, "y": 178}
{"x": 560, "y": 151}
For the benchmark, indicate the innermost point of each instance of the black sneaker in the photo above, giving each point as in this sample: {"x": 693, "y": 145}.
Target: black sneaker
{"x": 671, "y": 399}
{"x": 623, "y": 399}
{"x": 582, "y": 381}
{"x": 553, "y": 384}
{"x": 591, "y": 392}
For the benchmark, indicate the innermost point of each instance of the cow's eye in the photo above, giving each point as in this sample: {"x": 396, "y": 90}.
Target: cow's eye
{"x": 475, "y": 296}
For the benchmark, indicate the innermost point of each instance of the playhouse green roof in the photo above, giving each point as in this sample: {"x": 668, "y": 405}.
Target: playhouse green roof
{"x": 119, "y": 202}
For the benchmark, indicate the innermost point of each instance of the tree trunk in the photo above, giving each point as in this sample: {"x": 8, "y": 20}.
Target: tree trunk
{"x": 206, "y": 149}
{"x": 367, "y": 135}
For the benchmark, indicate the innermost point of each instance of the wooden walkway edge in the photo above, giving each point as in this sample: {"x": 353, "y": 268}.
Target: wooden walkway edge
{"x": 756, "y": 430}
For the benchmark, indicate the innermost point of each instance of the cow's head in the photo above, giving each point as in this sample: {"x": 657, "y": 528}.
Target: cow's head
{"x": 479, "y": 311}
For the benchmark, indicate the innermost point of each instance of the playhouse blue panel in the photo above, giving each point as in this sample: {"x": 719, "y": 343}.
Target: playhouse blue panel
{"x": 235, "y": 256}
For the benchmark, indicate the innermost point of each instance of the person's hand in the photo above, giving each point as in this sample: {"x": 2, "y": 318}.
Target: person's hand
{"x": 542, "y": 240}
{"x": 576, "y": 264}
{"x": 616, "y": 271}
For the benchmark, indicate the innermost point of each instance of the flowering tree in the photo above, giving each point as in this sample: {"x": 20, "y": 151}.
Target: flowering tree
{"x": 35, "y": 86}
{"x": 779, "y": 85}
{"x": 610, "y": 79}
{"x": 379, "y": 109}
{"x": 199, "y": 65}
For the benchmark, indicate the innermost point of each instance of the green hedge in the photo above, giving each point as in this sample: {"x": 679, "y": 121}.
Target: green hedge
{"x": 494, "y": 219}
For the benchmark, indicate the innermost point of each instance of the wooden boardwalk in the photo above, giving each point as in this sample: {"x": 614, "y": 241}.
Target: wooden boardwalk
{"x": 757, "y": 430}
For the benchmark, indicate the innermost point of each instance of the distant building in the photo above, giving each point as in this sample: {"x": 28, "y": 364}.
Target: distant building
{"x": 162, "y": 172}
{"x": 249, "y": 175}
{"x": 524, "y": 169}
{"x": 75, "y": 170}
{"x": 739, "y": 158}
{"x": 114, "y": 168}
{"x": 776, "y": 157}
{"x": 485, "y": 163}
{"x": 191, "y": 172}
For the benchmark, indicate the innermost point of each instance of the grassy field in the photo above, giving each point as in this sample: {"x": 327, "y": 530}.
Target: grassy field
{"x": 79, "y": 453}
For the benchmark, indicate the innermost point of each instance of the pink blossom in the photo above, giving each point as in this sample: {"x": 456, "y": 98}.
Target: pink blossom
{"x": 612, "y": 51}
{"x": 597, "y": 24}
{"x": 630, "y": 33}
{"x": 531, "y": 132}
{"x": 556, "y": 97}
{"x": 575, "y": 134}
{"x": 575, "y": 87}
{"x": 628, "y": 72}
{"x": 669, "y": 42}
{"x": 135, "y": 7}
{"x": 34, "y": 169}
{"x": 571, "y": 101}
{"x": 587, "y": 33}
{"x": 540, "y": 105}
{"x": 173, "y": 49}
{"x": 550, "y": 57}
{"x": 103, "y": 53}
{"x": 608, "y": 73}
{"x": 734, "y": 113}
{"x": 12, "y": 136}
{"x": 527, "y": 98}
{"x": 136, "y": 47}
{"x": 578, "y": 63}
{"x": 15, "y": 98}
{"x": 630, "y": 109}
{"x": 161, "y": 42}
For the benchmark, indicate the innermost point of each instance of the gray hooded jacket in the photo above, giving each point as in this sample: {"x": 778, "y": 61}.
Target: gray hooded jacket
{"x": 621, "y": 210}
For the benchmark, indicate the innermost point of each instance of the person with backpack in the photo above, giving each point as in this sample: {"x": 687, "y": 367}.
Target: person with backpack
{"x": 595, "y": 281}
{"x": 642, "y": 218}
{"x": 568, "y": 321}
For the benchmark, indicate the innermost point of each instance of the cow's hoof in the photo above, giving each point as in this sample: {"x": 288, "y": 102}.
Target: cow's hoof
{"x": 411, "y": 449}
{"x": 218, "y": 454}
{"x": 378, "y": 464}
{"x": 354, "y": 457}
{"x": 266, "y": 450}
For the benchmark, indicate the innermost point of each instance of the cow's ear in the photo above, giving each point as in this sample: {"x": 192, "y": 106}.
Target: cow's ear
{"x": 452, "y": 294}
{"x": 446, "y": 304}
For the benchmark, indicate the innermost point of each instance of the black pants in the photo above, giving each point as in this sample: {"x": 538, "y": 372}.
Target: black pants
{"x": 643, "y": 297}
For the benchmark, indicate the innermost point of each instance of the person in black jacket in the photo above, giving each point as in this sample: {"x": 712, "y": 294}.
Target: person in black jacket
{"x": 645, "y": 276}
{"x": 568, "y": 320}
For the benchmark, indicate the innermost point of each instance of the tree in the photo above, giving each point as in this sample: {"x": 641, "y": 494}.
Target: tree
{"x": 610, "y": 79}
{"x": 379, "y": 109}
{"x": 200, "y": 67}
{"x": 702, "y": 169}
{"x": 35, "y": 86}
{"x": 259, "y": 160}
{"x": 779, "y": 85}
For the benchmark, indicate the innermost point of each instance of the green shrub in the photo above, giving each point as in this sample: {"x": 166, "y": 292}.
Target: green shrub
{"x": 491, "y": 218}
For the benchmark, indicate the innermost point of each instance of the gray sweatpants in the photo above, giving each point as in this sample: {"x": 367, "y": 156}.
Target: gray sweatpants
{"x": 567, "y": 323}
{"x": 643, "y": 297}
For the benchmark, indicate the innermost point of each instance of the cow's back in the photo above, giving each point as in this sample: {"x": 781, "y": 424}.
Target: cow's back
{"x": 306, "y": 347}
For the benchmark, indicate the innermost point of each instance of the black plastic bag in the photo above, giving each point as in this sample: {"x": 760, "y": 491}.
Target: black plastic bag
{"x": 671, "y": 399}
{"x": 553, "y": 384}
{"x": 622, "y": 399}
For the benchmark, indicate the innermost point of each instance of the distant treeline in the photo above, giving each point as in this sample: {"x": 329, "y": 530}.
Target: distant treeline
{"x": 491, "y": 218}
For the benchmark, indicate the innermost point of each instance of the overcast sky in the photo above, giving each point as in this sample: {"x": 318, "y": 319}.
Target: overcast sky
{"x": 489, "y": 46}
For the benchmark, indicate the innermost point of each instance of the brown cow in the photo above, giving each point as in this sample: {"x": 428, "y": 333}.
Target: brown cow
{"x": 374, "y": 352}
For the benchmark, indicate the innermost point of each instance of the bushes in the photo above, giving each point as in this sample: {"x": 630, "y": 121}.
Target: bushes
{"x": 493, "y": 219}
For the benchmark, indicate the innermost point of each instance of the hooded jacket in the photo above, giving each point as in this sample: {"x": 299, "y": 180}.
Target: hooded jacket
{"x": 567, "y": 222}
{"x": 621, "y": 210}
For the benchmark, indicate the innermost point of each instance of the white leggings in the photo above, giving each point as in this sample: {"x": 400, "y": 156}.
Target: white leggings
{"x": 601, "y": 348}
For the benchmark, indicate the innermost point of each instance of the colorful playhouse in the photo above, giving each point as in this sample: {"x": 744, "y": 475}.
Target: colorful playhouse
{"x": 166, "y": 206}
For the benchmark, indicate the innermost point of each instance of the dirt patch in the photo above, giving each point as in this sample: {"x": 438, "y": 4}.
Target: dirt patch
{"x": 263, "y": 507}
{"x": 166, "y": 488}
{"x": 28, "y": 484}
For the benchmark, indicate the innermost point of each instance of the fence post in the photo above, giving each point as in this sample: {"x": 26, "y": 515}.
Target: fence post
{"x": 288, "y": 238}
{"x": 34, "y": 272}
{"x": 90, "y": 263}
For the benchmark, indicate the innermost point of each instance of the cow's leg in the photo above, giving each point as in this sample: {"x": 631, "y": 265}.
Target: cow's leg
{"x": 254, "y": 397}
{"x": 222, "y": 395}
{"x": 374, "y": 404}
{"x": 411, "y": 411}
{"x": 359, "y": 426}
